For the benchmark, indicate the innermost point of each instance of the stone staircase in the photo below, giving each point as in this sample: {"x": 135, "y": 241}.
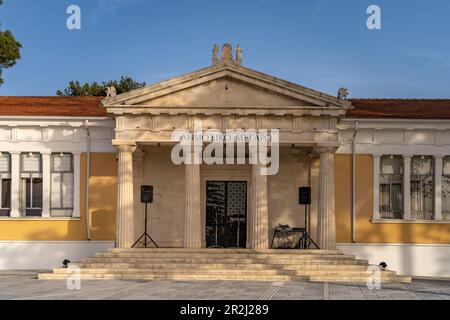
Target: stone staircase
{"x": 225, "y": 264}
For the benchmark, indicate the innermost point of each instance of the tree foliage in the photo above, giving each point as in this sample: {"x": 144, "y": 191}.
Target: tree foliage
{"x": 9, "y": 50}
{"x": 76, "y": 89}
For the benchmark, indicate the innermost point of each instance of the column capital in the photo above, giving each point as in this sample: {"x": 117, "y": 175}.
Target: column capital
{"x": 124, "y": 145}
{"x": 138, "y": 155}
{"x": 438, "y": 156}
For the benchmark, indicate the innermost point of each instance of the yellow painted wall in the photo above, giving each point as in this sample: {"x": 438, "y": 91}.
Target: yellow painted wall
{"x": 102, "y": 184}
{"x": 366, "y": 231}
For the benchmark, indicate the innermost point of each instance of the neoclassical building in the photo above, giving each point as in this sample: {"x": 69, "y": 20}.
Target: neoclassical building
{"x": 71, "y": 169}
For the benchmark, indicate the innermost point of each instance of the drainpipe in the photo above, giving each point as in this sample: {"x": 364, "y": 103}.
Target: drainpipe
{"x": 88, "y": 174}
{"x": 354, "y": 182}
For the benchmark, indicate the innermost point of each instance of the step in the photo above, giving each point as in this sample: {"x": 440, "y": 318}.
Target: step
{"x": 230, "y": 263}
{"x": 225, "y": 264}
{"x": 224, "y": 256}
{"x": 348, "y": 279}
{"x": 228, "y": 260}
{"x": 261, "y": 272}
{"x": 314, "y": 266}
{"x": 224, "y": 251}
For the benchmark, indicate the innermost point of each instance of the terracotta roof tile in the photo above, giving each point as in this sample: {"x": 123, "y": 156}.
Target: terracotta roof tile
{"x": 52, "y": 106}
{"x": 91, "y": 107}
{"x": 400, "y": 108}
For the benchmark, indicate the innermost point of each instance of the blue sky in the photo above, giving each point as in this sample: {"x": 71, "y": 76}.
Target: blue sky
{"x": 321, "y": 44}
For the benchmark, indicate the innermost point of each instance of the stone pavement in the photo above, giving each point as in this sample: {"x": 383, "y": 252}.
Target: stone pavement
{"x": 24, "y": 285}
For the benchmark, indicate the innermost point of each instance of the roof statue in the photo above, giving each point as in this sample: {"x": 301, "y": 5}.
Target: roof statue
{"x": 111, "y": 92}
{"x": 342, "y": 93}
{"x": 215, "y": 58}
{"x": 238, "y": 54}
{"x": 226, "y": 55}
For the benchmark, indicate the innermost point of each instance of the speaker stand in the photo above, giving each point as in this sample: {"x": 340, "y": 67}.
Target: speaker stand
{"x": 216, "y": 244}
{"x": 305, "y": 240}
{"x": 145, "y": 239}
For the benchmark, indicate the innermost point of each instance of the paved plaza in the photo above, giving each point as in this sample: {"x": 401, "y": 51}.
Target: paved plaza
{"x": 24, "y": 285}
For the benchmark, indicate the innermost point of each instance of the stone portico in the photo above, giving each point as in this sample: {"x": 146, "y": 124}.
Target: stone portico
{"x": 224, "y": 96}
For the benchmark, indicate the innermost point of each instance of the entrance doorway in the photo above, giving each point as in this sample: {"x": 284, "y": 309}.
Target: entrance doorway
{"x": 226, "y": 214}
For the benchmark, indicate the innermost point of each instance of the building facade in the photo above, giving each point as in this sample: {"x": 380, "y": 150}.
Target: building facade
{"x": 72, "y": 168}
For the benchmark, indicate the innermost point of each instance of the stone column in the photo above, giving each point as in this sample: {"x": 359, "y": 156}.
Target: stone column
{"x": 259, "y": 222}
{"x": 326, "y": 224}
{"x": 407, "y": 187}
{"x": 124, "y": 220}
{"x": 192, "y": 224}
{"x": 438, "y": 161}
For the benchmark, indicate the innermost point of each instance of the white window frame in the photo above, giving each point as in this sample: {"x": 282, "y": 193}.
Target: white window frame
{"x": 437, "y": 175}
{"x": 422, "y": 213}
{"x": 377, "y": 173}
{"x": 23, "y": 186}
{"x": 62, "y": 211}
{"x": 5, "y": 175}
{"x": 440, "y": 214}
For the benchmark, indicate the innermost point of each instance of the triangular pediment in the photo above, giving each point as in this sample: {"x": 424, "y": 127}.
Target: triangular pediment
{"x": 224, "y": 92}
{"x": 223, "y": 86}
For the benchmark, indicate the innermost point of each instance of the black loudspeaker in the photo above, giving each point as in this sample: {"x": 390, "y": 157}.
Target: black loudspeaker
{"x": 304, "y": 195}
{"x": 147, "y": 194}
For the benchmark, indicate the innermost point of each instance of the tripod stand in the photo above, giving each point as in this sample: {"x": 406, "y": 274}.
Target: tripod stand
{"x": 145, "y": 239}
{"x": 305, "y": 240}
{"x": 216, "y": 243}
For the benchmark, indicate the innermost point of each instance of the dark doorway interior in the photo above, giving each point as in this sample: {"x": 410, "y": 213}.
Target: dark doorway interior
{"x": 226, "y": 214}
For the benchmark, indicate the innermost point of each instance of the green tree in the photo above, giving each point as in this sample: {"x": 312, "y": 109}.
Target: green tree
{"x": 9, "y": 50}
{"x": 75, "y": 89}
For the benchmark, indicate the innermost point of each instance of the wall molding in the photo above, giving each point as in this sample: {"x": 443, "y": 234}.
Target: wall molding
{"x": 363, "y": 244}
{"x": 397, "y": 221}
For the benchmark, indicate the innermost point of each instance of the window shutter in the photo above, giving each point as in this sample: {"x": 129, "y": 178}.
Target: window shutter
{"x": 56, "y": 190}
{"x": 4, "y": 162}
{"x": 31, "y": 163}
{"x": 421, "y": 166}
{"x": 391, "y": 166}
{"x": 67, "y": 189}
{"x": 446, "y": 164}
{"x": 62, "y": 162}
